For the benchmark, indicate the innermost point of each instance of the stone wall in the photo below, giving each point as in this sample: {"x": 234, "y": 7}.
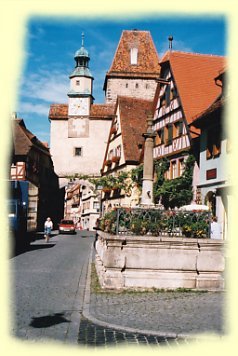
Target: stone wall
{"x": 124, "y": 262}
{"x": 136, "y": 88}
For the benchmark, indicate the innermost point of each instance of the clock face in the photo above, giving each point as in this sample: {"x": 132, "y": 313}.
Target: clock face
{"x": 78, "y": 106}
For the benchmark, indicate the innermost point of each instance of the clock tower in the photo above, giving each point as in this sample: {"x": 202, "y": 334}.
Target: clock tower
{"x": 80, "y": 93}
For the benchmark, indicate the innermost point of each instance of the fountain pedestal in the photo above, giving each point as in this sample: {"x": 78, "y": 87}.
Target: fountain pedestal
{"x": 148, "y": 170}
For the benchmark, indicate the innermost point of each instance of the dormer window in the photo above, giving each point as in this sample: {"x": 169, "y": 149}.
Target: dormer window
{"x": 134, "y": 55}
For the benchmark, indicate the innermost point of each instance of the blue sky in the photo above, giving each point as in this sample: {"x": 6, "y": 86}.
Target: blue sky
{"x": 50, "y": 45}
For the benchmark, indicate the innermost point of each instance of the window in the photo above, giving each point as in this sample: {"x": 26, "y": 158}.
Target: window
{"x": 178, "y": 128}
{"x": 118, "y": 151}
{"x": 77, "y": 82}
{"x": 126, "y": 85}
{"x": 160, "y": 137}
{"x": 137, "y": 85}
{"x": 110, "y": 154}
{"x": 96, "y": 205}
{"x": 167, "y": 95}
{"x": 134, "y": 55}
{"x": 180, "y": 166}
{"x": 162, "y": 100}
{"x": 173, "y": 169}
{"x": 168, "y": 134}
{"x": 78, "y": 151}
{"x": 173, "y": 93}
{"x": 213, "y": 142}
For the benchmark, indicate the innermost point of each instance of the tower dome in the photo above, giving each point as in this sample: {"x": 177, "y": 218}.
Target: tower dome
{"x": 82, "y": 52}
{"x": 82, "y": 59}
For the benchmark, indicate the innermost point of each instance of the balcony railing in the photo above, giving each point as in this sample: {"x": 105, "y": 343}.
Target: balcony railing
{"x": 158, "y": 222}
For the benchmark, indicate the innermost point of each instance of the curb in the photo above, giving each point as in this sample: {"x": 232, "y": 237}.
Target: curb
{"x": 87, "y": 315}
{"x": 73, "y": 328}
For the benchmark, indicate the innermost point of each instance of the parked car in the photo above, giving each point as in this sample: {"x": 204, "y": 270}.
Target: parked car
{"x": 66, "y": 226}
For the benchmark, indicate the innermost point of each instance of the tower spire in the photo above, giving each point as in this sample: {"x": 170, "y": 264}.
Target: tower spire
{"x": 82, "y": 39}
{"x": 170, "y": 42}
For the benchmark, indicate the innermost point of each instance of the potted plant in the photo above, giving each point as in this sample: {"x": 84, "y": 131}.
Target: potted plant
{"x": 187, "y": 230}
{"x": 113, "y": 129}
{"x": 108, "y": 162}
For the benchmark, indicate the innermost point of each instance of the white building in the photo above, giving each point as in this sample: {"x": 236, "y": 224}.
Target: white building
{"x": 214, "y": 177}
{"x": 79, "y": 129}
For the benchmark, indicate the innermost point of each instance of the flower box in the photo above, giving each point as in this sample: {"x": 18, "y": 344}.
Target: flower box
{"x": 116, "y": 159}
{"x": 106, "y": 190}
{"x": 108, "y": 162}
{"x": 113, "y": 129}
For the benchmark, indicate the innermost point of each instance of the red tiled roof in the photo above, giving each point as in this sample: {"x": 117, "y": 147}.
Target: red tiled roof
{"x": 218, "y": 104}
{"x": 133, "y": 115}
{"x": 60, "y": 111}
{"x": 102, "y": 110}
{"x": 194, "y": 76}
{"x": 148, "y": 60}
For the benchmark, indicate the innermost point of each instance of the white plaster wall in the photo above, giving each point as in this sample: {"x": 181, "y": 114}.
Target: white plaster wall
{"x": 62, "y": 148}
{"x": 220, "y": 163}
{"x": 85, "y": 84}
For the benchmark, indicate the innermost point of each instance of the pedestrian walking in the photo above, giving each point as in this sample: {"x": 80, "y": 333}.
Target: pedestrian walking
{"x": 48, "y": 226}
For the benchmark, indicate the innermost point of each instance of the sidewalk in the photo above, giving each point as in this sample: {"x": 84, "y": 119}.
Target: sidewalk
{"x": 168, "y": 314}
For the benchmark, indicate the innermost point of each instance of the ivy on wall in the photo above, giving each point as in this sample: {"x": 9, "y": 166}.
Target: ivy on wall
{"x": 175, "y": 192}
{"x": 170, "y": 193}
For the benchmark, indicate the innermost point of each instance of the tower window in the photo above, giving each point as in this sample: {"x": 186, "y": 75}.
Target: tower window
{"x": 134, "y": 55}
{"x": 137, "y": 85}
{"x": 77, "y": 82}
{"x": 78, "y": 151}
{"x": 126, "y": 85}
{"x": 213, "y": 142}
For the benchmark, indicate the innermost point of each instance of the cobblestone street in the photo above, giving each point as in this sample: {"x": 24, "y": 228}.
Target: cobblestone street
{"x": 175, "y": 313}
{"x": 92, "y": 335}
{"x": 155, "y": 318}
{"x": 77, "y": 311}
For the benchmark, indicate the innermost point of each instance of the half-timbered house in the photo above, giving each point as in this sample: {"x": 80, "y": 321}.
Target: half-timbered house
{"x": 31, "y": 161}
{"x": 125, "y": 147}
{"x": 185, "y": 88}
